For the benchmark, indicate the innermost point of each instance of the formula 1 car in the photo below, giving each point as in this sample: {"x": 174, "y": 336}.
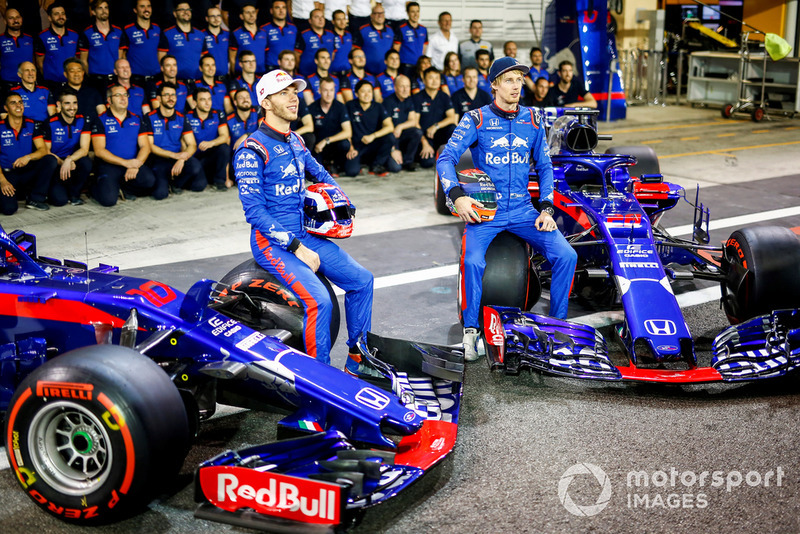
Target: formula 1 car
{"x": 104, "y": 379}
{"x": 612, "y": 217}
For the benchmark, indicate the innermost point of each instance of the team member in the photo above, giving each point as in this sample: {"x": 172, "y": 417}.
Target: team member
{"x": 537, "y": 71}
{"x": 510, "y": 49}
{"x": 287, "y": 62}
{"x": 452, "y": 76}
{"x": 311, "y": 40}
{"x": 250, "y": 37}
{"x": 141, "y": 44}
{"x": 55, "y": 45}
{"x": 213, "y": 138}
{"x": 467, "y": 49}
{"x": 100, "y": 46}
{"x": 331, "y": 127}
{"x": 39, "y": 102}
{"x": 121, "y": 145}
{"x": 541, "y": 97}
{"x": 172, "y": 145}
{"x": 410, "y": 39}
{"x": 570, "y": 91}
{"x": 25, "y": 164}
{"x": 470, "y": 96}
{"x": 443, "y": 41}
{"x": 507, "y": 164}
{"x": 270, "y": 170}
{"x": 437, "y": 119}
{"x": 244, "y": 119}
{"x": 406, "y": 134}
{"x": 323, "y": 61}
{"x": 375, "y": 39}
{"x": 371, "y": 140}
{"x": 358, "y": 61}
{"x": 90, "y": 103}
{"x": 221, "y": 101}
{"x": 16, "y": 47}
{"x": 386, "y": 78}
{"x": 342, "y": 44}
{"x": 68, "y": 138}
{"x": 247, "y": 79}
{"x": 137, "y": 100}
{"x": 184, "y": 42}
{"x": 169, "y": 74}
{"x": 484, "y": 61}
{"x": 216, "y": 42}
{"x": 281, "y": 34}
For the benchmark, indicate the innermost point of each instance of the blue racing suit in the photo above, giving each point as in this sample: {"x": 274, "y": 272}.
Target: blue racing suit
{"x": 270, "y": 167}
{"x": 502, "y": 145}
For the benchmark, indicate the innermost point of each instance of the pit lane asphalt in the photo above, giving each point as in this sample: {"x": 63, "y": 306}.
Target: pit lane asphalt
{"x": 517, "y": 435}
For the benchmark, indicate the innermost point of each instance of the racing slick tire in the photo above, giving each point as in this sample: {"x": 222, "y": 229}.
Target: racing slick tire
{"x": 646, "y": 159}
{"x": 283, "y": 309}
{"x": 762, "y": 272}
{"x": 93, "y": 434}
{"x": 439, "y": 199}
{"x": 509, "y": 278}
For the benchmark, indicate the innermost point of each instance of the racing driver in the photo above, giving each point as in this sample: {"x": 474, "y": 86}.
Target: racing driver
{"x": 506, "y": 140}
{"x": 270, "y": 167}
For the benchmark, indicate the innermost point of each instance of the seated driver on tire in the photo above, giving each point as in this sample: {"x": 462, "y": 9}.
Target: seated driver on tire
{"x": 508, "y": 139}
{"x": 270, "y": 167}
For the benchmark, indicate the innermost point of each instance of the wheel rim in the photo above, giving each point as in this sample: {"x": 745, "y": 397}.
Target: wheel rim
{"x": 70, "y": 448}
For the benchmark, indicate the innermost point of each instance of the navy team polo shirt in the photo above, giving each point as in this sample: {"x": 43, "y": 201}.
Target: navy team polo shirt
{"x": 56, "y": 49}
{"x": 167, "y": 131}
{"x": 256, "y": 43}
{"x": 35, "y": 101}
{"x": 330, "y": 123}
{"x": 103, "y": 49}
{"x": 375, "y": 43}
{"x": 431, "y": 110}
{"x": 187, "y": 49}
{"x": 386, "y": 84}
{"x": 13, "y": 51}
{"x": 219, "y": 92}
{"x": 122, "y": 138}
{"x": 308, "y": 43}
{"x": 412, "y": 41}
{"x": 205, "y": 130}
{"x": 462, "y": 102}
{"x": 136, "y": 99}
{"x": 484, "y": 84}
{"x": 238, "y": 127}
{"x": 182, "y": 93}
{"x": 278, "y": 40}
{"x": 397, "y": 110}
{"x": 365, "y": 122}
{"x": 217, "y": 46}
{"x": 313, "y": 84}
{"x": 142, "y": 49}
{"x": 342, "y": 45}
{"x": 15, "y": 144}
{"x": 65, "y": 138}
{"x": 351, "y": 80}
{"x": 240, "y": 83}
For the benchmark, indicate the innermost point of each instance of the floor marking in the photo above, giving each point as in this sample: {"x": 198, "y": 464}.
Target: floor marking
{"x": 760, "y": 131}
{"x": 728, "y": 134}
{"x": 787, "y": 143}
{"x": 653, "y": 142}
{"x": 695, "y": 138}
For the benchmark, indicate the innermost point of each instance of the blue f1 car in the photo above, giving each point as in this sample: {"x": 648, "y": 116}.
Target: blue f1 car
{"x": 104, "y": 379}
{"x": 609, "y": 206}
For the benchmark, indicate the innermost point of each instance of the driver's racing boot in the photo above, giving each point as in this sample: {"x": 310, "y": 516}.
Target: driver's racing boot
{"x": 470, "y": 341}
{"x": 360, "y": 367}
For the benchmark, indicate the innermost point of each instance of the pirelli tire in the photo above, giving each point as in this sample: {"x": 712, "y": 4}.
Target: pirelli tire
{"x": 280, "y": 308}
{"x": 93, "y": 434}
{"x": 439, "y": 198}
{"x": 762, "y": 272}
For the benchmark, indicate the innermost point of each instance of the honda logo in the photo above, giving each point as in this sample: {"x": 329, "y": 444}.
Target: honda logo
{"x": 372, "y": 398}
{"x": 660, "y": 327}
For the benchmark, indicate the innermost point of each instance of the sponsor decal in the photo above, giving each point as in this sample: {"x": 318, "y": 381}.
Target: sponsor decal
{"x": 409, "y": 416}
{"x": 372, "y": 398}
{"x": 248, "y": 342}
{"x": 221, "y": 326}
{"x": 508, "y": 157}
{"x": 624, "y": 220}
{"x": 284, "y": 189}
{"x": 660, "y": 327}
{"x": 273, "y": 494}
{"x": 638, "y": 264}
{"x": 495, "y": 334}
{"x": 310, "y": 425}
{"x": 634, "y": 250}
{"x": 667, "y": 348}
{"x": 494, "y": 122}
{"x": 65, "y": 390}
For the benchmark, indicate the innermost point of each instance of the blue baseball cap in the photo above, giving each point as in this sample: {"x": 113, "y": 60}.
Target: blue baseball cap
{"x": 505, "y": 64}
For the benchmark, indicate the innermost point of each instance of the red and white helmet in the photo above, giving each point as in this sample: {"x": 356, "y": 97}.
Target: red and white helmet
{"x": 327, "y": 211}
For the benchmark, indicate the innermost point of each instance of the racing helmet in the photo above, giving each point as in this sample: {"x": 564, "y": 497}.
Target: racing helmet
{"x": 477, "y": 185}
{"x": 327, "y": 211}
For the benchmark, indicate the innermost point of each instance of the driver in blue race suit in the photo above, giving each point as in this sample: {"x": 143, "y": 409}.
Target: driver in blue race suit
{"x": 270, "y": 167}
{"x": 503, "y": 138}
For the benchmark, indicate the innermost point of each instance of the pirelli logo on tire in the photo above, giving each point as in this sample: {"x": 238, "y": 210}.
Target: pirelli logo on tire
{"x": 64, "y": 390}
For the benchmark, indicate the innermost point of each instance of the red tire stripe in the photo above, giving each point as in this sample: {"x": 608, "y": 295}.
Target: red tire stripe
{"x": 126, "y": 437}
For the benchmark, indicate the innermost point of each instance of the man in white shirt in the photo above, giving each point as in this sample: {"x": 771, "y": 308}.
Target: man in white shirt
{"x": 443, "y": 41}
{"x": 358, "y": 13}
{"x": 395, "y": 12}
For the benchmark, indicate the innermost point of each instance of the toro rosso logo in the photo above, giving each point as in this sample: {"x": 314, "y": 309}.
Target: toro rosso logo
{"x": 509, "y": 140}
{"x": 660, "y": 327}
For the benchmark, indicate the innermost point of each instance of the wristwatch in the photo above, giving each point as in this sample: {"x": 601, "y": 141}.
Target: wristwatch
{"x": 549, "y": 210}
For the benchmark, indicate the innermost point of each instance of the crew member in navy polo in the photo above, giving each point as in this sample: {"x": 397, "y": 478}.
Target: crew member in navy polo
{"x": 100, "y": 46}
{"x": 244, "y": 119}
{"x": 121, "y": 145}
{"x": 437, "y": 119}
{"x": 55, "y": 45}
{"x": 484, "y": 60}
{"x": 375, "y": 38}
{"x": 169, "y": 73}
{"x": 342, "y": 44}
{"x": 39, "y": 102}
{"x": 141, "y": 44}
{"x": 470, "y": 96}
{"x": 322, "y": 59}
{"x": 25, "y": 164}
{"x": 407, "y": 134}
{"x": 372, "y": 134}
{"x": 412, "y": 37}
{"x": 213, "y": 139}
{"x": 15, "y": 47}
{"x": 281, "y": 34}
{"x": 221, "y": 101}
{"x": 358, "y": 61}
{"x": 331, "y": 127}
{"x": 68, "y": 137}
{"x": 90, "y": 102}
{"x": 247, "y": 79}
{"x": 137, "y": 99}
{"x": 311, "y": 40}
{"x": 249, "y": 36}
{"x": 172, "y": 146}
{"x": 386, "y": 78}
{"x": 183, "y": 41}
{"x": 216, "y": 42}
